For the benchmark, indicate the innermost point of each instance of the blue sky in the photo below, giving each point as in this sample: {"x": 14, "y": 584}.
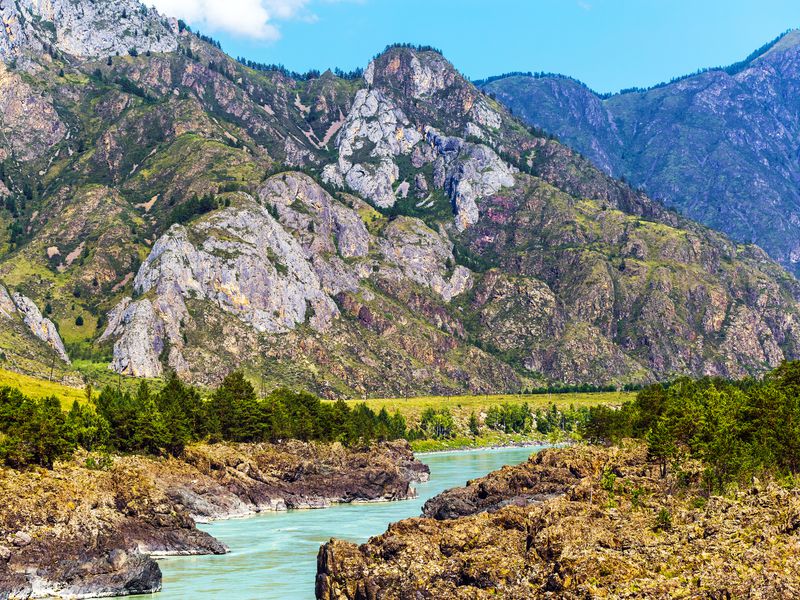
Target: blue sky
{"x": 608, "y": 44}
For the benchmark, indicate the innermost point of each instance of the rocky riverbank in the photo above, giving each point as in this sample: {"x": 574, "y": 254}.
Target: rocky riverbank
{"x": 77, "y": 532}
{"x": 579, "y": 522}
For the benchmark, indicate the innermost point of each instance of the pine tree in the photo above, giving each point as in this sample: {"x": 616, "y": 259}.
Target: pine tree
{"x": 474, "y": 425}
{"x": 150, "y": 431}
{"x": 235, "y": 411}
{"x": 661, "y": 445}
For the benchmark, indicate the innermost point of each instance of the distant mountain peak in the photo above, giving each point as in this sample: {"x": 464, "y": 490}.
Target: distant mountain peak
{"x": 790, "y": 39}
{"x": 418, "y": 70}
{"x": 720, "y": 144}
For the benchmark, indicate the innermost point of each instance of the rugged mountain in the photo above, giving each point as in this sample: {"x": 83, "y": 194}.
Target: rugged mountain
{"x": 722, "y": 146}
{"x": 392, "y": 233}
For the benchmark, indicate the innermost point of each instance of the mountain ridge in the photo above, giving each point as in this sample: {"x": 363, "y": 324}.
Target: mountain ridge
{"x": 718, "y": 145}
{"x": 399, "y": 233}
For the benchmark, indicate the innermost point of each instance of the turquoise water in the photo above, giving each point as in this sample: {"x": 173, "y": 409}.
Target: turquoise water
{"x": 274, "y": 555}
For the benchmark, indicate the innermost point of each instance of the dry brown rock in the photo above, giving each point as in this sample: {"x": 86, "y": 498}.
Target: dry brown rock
{"x": 600, "y": 537}
{"x": 76, "y": 532}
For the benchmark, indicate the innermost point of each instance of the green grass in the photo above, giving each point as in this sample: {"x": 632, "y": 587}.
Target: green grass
{"x": 41, "y": 388}
{"x": 411, "y": 408}
{"x": 462, "y": 406}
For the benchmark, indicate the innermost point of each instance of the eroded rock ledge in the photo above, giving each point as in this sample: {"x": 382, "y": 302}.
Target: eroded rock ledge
{"x": 75, "y": 532}
{"x": 582, "y": 522}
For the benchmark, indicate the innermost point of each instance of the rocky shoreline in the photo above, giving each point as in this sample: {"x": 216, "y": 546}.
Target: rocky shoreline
{"x": 579, "y": 522}
{"x": 76, "y": 532}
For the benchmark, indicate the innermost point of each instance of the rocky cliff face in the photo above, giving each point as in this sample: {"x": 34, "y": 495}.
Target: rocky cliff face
{"x": 720, "y": 146}
{"x": 82, "y": 29}
{"x": 577, "y": 523}
{"x": 76, "y": 532}
{"x": 430, "y": 244}
{"x": 16, "y": 307}
{"x": 40, "y": 326}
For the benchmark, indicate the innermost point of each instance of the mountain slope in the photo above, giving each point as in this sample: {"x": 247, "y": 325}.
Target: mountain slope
{"x": 721, "y": 146}
{"x": 173, "y": 209}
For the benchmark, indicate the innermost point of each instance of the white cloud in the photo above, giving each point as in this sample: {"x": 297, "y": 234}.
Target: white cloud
{"x": 250, "y": 18}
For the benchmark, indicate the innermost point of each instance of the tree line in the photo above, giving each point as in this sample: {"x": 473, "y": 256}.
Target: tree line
{"x": 38, "y": 432}
{"x": 508, "y": 417}
{"x": 738, "y": 429}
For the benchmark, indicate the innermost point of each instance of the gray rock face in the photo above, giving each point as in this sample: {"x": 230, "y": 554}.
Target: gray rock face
{"x": 141, "y": 334}
{"x": 331, "y": 219}
{"x": 245, "y": 263}
{"x": 83, "y": 29}
{"x": 240, "y": 261}
{"x": 375, "y": 131}
{"x": 40, "y": 326}
{"x": 28, "y": 119}
{"x": 470, "y": 172}
{"x": 422, "y": 255}
{"x": 274, "y": 269}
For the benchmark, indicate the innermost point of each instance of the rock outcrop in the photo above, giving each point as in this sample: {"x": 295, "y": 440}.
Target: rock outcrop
{"x": 28, "y": 119}
{"x": 242, "y": 262}
{"x": 578, "y": 523}
{"x": 378, "y": 134}
{"x": 142, "y": 338}
{"x": 40, "y": 326}
{"x": 83, "y": 29}
{"x": 75, "y": 532}
{"x": 471, "y": 172}
{"x": 274, "y": 274}
{"x": 374, "y": 133}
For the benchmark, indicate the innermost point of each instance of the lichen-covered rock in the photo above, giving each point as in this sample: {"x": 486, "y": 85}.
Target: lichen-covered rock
{"x": 42, "y": 327}
{"x": 556, "y": 527}
{"x": 83, "y": 29}
{"x": 374, "y": 133}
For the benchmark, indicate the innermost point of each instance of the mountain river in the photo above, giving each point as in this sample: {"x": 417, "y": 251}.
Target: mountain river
{"x": 273, "y": 555}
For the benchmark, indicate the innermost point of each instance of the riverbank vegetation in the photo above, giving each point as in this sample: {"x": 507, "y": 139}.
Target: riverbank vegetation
{"x": 439, "y": 423}
{"x": 738, "y": 429}
{"x": 161, "y": 418}
{"x": 36, "y": 431}
{"x": 462, "y": 406}
{"x": 41, "y": 421}
{"x": 504, "y": 424}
